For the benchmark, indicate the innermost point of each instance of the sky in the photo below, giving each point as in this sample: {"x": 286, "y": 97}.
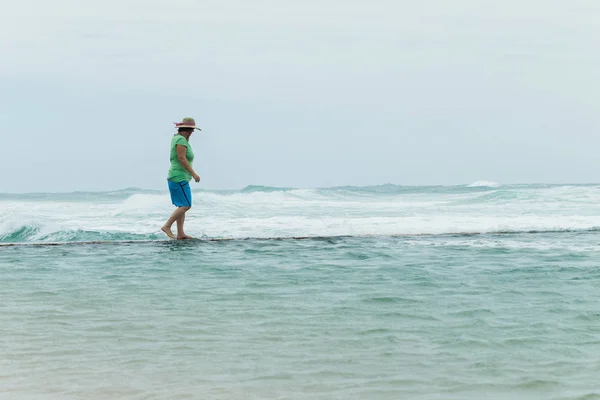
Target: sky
{"x": 299, "y": 94}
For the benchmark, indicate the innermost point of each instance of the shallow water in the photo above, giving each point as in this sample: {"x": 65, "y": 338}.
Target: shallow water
{"x": 421, "y": 317}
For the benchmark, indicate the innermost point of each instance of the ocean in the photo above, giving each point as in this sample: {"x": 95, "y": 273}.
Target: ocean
{"x": 480, "y": 291}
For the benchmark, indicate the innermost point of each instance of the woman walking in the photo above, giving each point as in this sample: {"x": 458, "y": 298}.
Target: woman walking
{"x": 180, "y": 174}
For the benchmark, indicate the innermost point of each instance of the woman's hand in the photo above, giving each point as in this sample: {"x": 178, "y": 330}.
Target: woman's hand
{"x": 196, "y": 177}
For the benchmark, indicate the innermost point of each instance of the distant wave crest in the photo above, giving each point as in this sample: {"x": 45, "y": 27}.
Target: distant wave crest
{"x": 259, "y": 188}
{"x": 484, "y": 184}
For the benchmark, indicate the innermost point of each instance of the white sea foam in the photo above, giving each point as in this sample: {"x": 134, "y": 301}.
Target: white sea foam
{"x": 313, "y": 213}
{"x": 484, "y": 184}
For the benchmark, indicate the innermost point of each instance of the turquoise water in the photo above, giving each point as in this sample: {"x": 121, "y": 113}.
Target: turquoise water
{"x": 498, "y": 314}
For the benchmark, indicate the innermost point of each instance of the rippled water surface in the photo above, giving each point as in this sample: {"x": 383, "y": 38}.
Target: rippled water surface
{"x": 506, "y": 316}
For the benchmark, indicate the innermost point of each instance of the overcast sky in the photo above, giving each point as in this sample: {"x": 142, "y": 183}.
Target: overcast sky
{"x": 299, "y": 93}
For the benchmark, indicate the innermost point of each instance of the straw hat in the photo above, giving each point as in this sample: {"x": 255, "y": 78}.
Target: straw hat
{"x": 187, "y": 123}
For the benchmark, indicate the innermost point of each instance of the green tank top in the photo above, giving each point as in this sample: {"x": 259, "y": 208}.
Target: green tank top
{"x": 176, "y": 172}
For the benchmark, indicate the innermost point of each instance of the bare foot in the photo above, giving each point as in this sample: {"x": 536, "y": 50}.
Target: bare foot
{"x": 183, "y": 237}
{"x": 168, "y": 232}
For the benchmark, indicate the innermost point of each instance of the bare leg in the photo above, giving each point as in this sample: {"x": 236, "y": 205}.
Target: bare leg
{"x": 178, "y": 213}
{"x": 180, "y": 232}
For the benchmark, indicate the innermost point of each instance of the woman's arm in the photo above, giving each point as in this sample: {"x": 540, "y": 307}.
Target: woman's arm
{"x": 181, "y": 156}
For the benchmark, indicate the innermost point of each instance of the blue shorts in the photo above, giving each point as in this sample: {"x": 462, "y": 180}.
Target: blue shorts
{"x": 181, "y": 194}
